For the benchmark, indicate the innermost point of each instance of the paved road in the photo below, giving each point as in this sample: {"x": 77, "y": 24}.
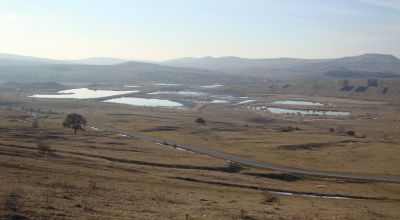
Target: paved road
{"x": 249, "y": 162}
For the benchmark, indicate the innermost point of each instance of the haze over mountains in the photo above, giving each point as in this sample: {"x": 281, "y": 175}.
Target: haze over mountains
{"x": 195, "y": 70}
{"x": 376, "y": 63}
{"x": 13, "y": 59}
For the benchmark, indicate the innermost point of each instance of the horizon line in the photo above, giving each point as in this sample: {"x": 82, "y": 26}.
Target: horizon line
{"x": 194, "y": 57}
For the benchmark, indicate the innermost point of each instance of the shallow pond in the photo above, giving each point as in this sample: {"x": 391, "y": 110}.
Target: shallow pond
{"x": 181, "y": 93}
{"x": 296, "y": 102}
{"x": 301, "y": 112}
{"x": 167, "y": 84}
{"x": 145, "y": 102}
{"x": 211, "y": 86}
{"x": 245, "y": 102}
{"x": 219, "y": 101}
{"x": 82, "y": 93}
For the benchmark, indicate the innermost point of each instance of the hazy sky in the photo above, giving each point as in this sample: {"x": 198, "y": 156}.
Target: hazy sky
{"x": 163, "y": 29}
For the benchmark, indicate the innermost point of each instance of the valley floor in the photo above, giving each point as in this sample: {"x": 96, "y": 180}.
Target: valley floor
{"x": 97, "y": 174}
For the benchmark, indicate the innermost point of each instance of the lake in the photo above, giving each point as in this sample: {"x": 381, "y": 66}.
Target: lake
{"x": 82, "y": 93}
{"x": 145, "y": 102}
{"x": 181, "y": 93}
{"x": 211, "y": 86}
{"x": 305, "y": 112}
{"x": 274, "y": 110}
{"x": 296, "y": 102}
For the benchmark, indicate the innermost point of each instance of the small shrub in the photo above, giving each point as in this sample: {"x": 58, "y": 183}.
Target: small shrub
{"x": 340, "y": 130}
{"x": 13, "y": 206}
{"x": 13, "y": 203}
{"x": 270, "y": 198}
{"x": 243, "y": 215}
{"x": 288, "y": 129}
{"x": 35, "y": 123}
{"x": 92, "y": 185}
{"x": 44, "y": 148}
{"x": 331, "y": 130}
{"x": 200, "y": 120}
{"x": 351, "y": 133}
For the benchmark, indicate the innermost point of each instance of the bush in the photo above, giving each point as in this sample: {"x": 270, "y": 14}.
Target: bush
{"x": 13, "y": 203}
{"x": 270, "y": 198}
{"x": 35, "y": 123}
{"x": 288, "y": 129}
{"x": 200, "y": 120}
{"x": 351, "y": 133}
{"x": 44, "y": 148}
{"x": 340, "y": 130}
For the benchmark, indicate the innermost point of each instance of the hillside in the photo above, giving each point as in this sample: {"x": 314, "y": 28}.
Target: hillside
{"x": 387, "y": 65}
{"x": 100, "y": 61}
{"x": 130, "y": 72}
{"x": 226, "y": 70}
{"x": 13, "y": 59}
{"x": 355, "y": 88}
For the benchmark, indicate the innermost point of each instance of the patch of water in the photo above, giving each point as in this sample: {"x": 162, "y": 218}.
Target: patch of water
{"x": 308, "y": 195}
{"x": 219, "y": 101}
{"x": 182, "y": 93}
{"x": 123, "y": 135}
{"x": 145, "y": 102}
{"x": 211, "y": 86}
{"x": 167, "y": 84}
{"x": 82, "y": 93}
{"x": 245, "y": 102}
{"x": 296, "y": 102}
{"x": 301, "y": 112}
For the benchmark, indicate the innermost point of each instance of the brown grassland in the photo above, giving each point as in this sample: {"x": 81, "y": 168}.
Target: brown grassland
{"x": 97, "y": 174}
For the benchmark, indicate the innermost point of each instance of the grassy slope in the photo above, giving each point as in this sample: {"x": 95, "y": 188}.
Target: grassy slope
{"x": 79, "y": 183}
{"x": 73, "y": 183}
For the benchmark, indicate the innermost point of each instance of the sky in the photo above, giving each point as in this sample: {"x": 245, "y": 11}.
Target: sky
{"x": 166, "y": 29}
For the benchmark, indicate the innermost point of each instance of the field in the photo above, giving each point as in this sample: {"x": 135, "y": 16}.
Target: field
{"x": 49, "y": 173}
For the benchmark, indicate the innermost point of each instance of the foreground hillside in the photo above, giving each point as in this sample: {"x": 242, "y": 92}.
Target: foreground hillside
{"x": 50, "y": 173}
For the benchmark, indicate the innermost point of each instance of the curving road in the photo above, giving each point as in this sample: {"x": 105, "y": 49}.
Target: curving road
{"x": 249, "y": 162}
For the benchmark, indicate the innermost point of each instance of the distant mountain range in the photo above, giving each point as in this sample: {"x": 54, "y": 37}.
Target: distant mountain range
{"x": 195, "y": 70}
{"x": 12, "y": 59}
{"x": 37, "y": 70}
{"x": 388, "y": 65}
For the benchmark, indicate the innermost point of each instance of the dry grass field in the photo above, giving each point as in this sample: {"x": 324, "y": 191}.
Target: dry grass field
{"x": 50, "y": 173}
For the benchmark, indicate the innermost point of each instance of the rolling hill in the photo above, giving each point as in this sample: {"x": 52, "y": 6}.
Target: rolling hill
{"x": 195, "y": 70}
{"x": 129, "y": 72}
{"x": 378, "y": 64}
{"x": 13, "y": 59}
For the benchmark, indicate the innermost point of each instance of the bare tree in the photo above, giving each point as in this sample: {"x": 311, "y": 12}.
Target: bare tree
{"x": 74, "y": 121}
